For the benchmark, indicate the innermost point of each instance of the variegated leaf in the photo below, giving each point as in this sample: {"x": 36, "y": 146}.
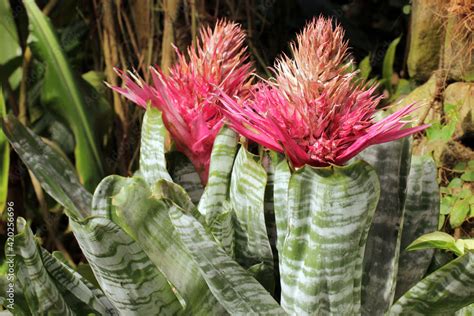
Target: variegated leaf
{"x": 146, "y": 219}
{"x": 421, "y": 217}
{"x": 78, "y": 293}
{"x": 391, "y": 161}
{"x": 125, "y": 273}
{"x": 247, "y": 193}
{"x": 280, "y": 189}
{"x": 56, "y": 175}
{"x": 183, "y": 173}
{"x": 42, "y": 295}
{"x": 216, "y": 193}
{"x": 330, "y": 210}
{"x": 443, "y": 292}
{"x": 152, "y": 147}
{"x": 232, "y": 285}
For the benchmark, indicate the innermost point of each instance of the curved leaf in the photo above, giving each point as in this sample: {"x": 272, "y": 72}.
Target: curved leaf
{"x": 55, "y": 174}
{"x": 152, "y": 150}
{"x": 247, "y": 193}
{"x": 41, "y": 293}
{"x": 78, "y": 293}
{"x": 391, "y": 161}
{"x": 61, "y": 92}
{"x": 232, "y": 285}
{"x": 421, "y": 216}
{"x": 280, "y": 192}
{"x": 215, "y": 195}
{"x": 146, "y": 219}
{"x": 330, "y": 210}
{"x": 125, "y": 273}
{"x": 442, "y": 292}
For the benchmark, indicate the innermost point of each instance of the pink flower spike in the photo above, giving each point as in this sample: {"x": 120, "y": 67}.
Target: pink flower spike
{"x": 187, "y": 97}
{"x": 314, "y": 111}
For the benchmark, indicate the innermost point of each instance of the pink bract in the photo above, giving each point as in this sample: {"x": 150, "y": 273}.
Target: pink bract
{"x": 187, "y": 96}
{"x": 314, "y": 110}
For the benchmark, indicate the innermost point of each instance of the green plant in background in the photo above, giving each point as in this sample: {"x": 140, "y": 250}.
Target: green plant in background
{"x": 153, "y": 250}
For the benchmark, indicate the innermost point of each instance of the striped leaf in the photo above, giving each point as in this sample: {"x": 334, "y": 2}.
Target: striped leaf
{"x": 443, "y": 292}
{"x": 78, "y": 293}
{"x": 421, "y": 216}
{"x": 183, "y": 173}
{"x": 125, "y": 273}
{"x": 247, "y": 193}
{"x": 216, "y": 192}
{"x": 391, "y": 161}
{"x": 56, "y": 175}
{"x": 146, "y": 219}
{"x": 42, "y": 295}
{"x": 232, "y": 285}
{"x": 62, "y": 94}
{"x": 330, "y": 210}
{"x": 152, "y": 147}
{"x": 4, "y": 154}
{"x": 280, "y": 192}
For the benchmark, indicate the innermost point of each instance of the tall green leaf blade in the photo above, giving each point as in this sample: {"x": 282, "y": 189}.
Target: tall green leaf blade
{"x": 125, "y": 273}
{"x": 56, "y": 175}
{"x": 145, "y": 216}
{"x": 10, "y": 54}
{"x": 421, "y": 216}
{"x": 391, "y": 161}
{"x": 233, "y": 286}
{"x": 5, "y": 158}
{"x": 216, "y": 192}
{"x": 443, "y": 292}
{"x": 281, "y": 186}
{"x": 247, "y": 194}
{"x": 41, "y": 293}
{"x": 388, "y": 61}
{"x": 330, "y": 210}
{"x": 87, "y": 298}
{"x": 152, "y": 150}
{"x": 61, "y": 92}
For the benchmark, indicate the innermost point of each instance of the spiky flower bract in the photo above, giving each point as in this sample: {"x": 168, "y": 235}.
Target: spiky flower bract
{"x": 315, "y": 111}
{"x": 187, "y": 96}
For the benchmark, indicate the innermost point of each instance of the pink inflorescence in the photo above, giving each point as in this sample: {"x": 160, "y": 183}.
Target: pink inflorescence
{"x": 314, "y": 110}
{"x": 187, "y": 96}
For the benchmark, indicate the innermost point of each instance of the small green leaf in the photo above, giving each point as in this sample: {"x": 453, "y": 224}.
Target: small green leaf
{"x": 460, "y": 166}
{"x": 459, "y": 213}
{"x": 438, "y": 240}
{"x": 468, "y": 176}
{"x": 365, "y": 67}
{"x": 455, "y": 183}
{"x": 388, "y": 61}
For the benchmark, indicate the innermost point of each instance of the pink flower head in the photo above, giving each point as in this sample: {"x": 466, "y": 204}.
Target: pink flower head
{"x": 187, "y": 96}
{"x": 314, "y": 111}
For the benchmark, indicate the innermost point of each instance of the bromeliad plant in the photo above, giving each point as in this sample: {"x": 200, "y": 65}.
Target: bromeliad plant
{"x": 152, "y": 251}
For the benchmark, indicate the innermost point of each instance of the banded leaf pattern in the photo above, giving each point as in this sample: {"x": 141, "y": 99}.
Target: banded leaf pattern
{"x": 152, "y": 147}
{"x": 125, "y": 273}
{"x": 90, "y": 299}
{"x": 421, "y": 217}
{"x": 330, "y": 210}
{"x": 41, "y": 293}
{"x": 182, "y": 172}
{"x": 443, "y": 292}
{"x": 216, "y": 192}
{"x": 391, "y": 161}
{"x": 247, "y": 193}
{"x": 56, "y": 175}
{"x": 147, "y": 220}
{"x": 281, "y": 186}
{"x": 232, "y": 285}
